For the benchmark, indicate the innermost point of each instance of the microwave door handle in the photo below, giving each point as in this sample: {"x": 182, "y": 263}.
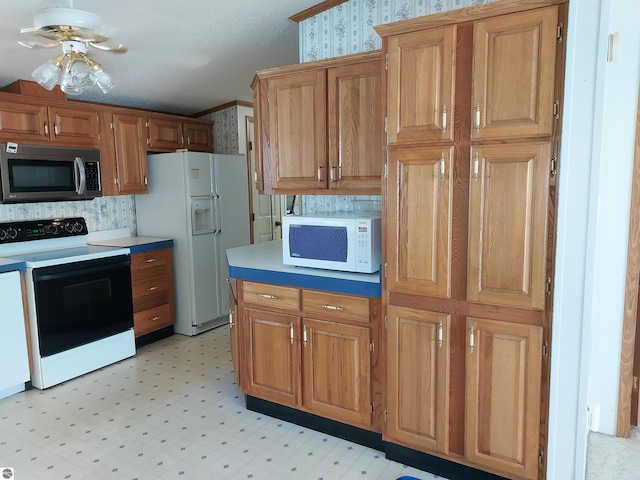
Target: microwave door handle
{"x": 79, "y": 176}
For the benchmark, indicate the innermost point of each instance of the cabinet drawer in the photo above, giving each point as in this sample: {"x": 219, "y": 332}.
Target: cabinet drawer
{"x": 335, "y": 305}
{"x": 273, "y": 296}
{"x": 150, "y": 292}
{"x": 152, "y": 319}
{"x": 149, "y": 264}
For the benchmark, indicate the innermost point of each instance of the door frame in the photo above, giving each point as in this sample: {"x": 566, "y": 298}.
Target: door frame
{"x": 629, "y": 346}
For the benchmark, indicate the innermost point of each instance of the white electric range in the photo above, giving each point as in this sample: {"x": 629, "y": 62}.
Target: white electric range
{"x": 78, "y": 297}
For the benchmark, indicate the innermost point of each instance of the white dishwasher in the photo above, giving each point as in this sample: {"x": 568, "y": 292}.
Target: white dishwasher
{"x": 14, "y": 358}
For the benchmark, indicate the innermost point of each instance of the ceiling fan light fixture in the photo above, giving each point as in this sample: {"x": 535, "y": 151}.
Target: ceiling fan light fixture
{"x": 48, "y": 73}
{"x": 66, "y": 84}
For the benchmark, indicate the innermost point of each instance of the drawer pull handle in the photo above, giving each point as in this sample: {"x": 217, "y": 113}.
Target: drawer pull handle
{"x": 151, "y": 289}
{"x": 150, "y": 260}
{"x": 231, "y": 319}
{"x": 332, "y": 307}
{"x": 291, "y": 339}
{"x": 266, "y": 295}
{"x": 304, "y": 336}
{"x": 153, "y": 319}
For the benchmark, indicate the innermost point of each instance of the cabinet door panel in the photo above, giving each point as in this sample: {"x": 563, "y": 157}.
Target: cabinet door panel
{"x": 198, "y": 137}
{"x": 419, "y": 215}
{"x": 503, "y": 376}
{"x": 71, "y": 126}
{"x": 273, "y": 369}
{"x": 336, "y": 371}
{"x": 513, "y": 74}
{"x": 417, "y": 378}
{"x": 355, "y": 127}
{"x": 165, "y": 134}
{"x": 23, "y": 121}
{"x": 421, "y": 86}
{"x": 131, "y": 157}
{"x": 508, "y": 224}
{"x": 297, "y": 130}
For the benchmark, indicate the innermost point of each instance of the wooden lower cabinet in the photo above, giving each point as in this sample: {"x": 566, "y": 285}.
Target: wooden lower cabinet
{"x": 336, "y": 371}
{"x": 234, "y": 337}
{"x": 503, "y": 372}
{"x": 153, "y": 291}
{"x": 273, "y": 356}
{"x": 417, "y": 379}
{"x": 308, "y": 350}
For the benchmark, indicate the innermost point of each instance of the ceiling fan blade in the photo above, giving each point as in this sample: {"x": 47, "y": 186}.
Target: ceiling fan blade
{"x": 109, "y": 48}
{"x": 38, "y": 44}
{"x": 29, "y": 30}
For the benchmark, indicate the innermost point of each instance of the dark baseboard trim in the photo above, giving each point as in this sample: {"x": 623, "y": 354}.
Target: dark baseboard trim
{"x": 439, "y": 466}
{"x": 397, "y": 453}
{"x": 320, "y": 424}
{"x": 154, "y": 336}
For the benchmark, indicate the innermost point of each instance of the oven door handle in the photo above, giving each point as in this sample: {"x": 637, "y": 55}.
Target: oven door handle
{"x": 79, "y": 176}
{"x": 72, "y": 269}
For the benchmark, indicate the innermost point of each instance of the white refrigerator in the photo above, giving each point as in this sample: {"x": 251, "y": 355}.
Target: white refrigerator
{"x": 201, "y": 201}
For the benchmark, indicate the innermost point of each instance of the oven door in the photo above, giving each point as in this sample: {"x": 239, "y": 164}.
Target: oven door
{"x": 78, "y": 303}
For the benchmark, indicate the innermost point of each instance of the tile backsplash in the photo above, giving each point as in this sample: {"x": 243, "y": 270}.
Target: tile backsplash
{"x": 104, "y": 213}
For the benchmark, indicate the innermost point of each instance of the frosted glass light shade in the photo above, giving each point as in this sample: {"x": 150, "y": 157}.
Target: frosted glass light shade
{"x": 47, "y": 74}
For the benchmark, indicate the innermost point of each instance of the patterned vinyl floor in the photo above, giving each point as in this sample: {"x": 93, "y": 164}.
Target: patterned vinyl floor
{"x": 173, "y": 411}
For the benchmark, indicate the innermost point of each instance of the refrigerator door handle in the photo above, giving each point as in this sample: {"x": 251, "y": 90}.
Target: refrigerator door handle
{"x": 219, "y": 213}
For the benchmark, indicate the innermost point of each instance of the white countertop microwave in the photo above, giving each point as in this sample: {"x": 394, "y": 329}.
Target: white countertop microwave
{"x": 350, "y": 243}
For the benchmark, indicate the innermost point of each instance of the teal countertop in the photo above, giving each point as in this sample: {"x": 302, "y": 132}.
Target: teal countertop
{"x": 136, "y": 244}
{"x": 262, "y": 262}
{"x": 10, "y": 265}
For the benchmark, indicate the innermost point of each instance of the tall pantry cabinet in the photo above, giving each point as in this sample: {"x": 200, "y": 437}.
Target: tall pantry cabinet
{"x": 473, "y": 127}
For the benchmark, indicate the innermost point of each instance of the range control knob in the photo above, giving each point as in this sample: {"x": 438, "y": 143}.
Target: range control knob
{"x": 52, "y": 229}
{"x": 12, "y": 233}
{"x": 3, "y": 234}
{"x": 77, "y": 227}
{"x": 68, "y": 227}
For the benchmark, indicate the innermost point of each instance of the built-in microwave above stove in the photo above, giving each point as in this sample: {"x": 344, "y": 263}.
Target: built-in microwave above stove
{"x": 39, "y": 173}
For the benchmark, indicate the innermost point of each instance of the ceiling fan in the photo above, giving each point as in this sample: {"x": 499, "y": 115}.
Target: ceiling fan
{"x": 74, "y": 30}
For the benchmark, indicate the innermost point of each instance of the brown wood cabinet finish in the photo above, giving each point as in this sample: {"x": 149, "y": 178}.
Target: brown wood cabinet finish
{"x": 419, "y": 221}
{"x": 503, "y": 369}
{"x": 476, "y": 246}
{"x": 130, "y": 154}
{"x": 507, "y": 224}
{"x": 417, "y": 378}
{"x": 153, "y": 291}
{"x": 421, "y": 86}
{"x": 311, "y": 350}
{"x": 513, "y": 75}
{"x": 319, "y": 126}
{"x": 25, "y": 120}
{"x": 167, "y": 134}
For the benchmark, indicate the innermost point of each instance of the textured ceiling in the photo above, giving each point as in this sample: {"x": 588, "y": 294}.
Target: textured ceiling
{"x": 184, "y": 56}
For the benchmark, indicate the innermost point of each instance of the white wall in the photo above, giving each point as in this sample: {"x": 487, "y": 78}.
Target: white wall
{"x": 594, "y": 195}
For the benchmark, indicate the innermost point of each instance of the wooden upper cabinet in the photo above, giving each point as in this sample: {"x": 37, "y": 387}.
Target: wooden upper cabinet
{"x": 419, "y": 221}
{"x": 20, "y": 122}
{"x": 74, "y": 126}
{"x": 509, "y": 192}
{"x": 297, "y": 130}
{"x": 418, "y": 378}
{"x": 503, "y": 372}
{"x": 421, "y": 84}
{"x": 339, "y": 389}
{"x": 513, "y": 80}
{"x": 130, "y": 153}
{"x": 198, "y": 135}
{"x": 319, "y": 126}
{"x": 23, "y": 120}
{"x": 355, "y": 127}
{"x": 169, "y": 134}
{"x": 165, "y": 134}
